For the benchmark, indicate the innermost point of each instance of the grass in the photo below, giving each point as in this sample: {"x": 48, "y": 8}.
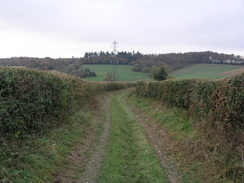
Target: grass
{"x": 203, "y": 71}
{"x": 198, "y": 71}
{"x": 189, "y": 145}
{"x": 40, "y": 156}
{"x": 175, "y": 120}
{"x": 124, "y": 72}
{"x": 179, "y": 127}
{"x": 129, "y": 157}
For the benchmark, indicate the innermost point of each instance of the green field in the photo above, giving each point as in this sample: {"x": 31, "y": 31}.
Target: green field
{"x": 198, "y": 71}
{"x": 124, "y": 72}
{"x": 203, "y": 71}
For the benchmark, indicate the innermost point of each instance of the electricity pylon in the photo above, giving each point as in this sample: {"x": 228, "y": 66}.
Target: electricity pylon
{"x": 115, "y": 61}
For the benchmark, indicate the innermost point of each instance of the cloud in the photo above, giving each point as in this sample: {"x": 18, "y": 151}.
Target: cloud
{"x": 156, "y": 25}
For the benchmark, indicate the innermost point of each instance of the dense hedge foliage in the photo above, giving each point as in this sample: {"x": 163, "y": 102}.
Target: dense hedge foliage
{"x": 222, "y": 100}
{"x": 32, "y": 100}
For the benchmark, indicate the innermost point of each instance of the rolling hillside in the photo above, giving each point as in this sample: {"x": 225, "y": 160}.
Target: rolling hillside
{"x": 206, "y": 71}
{"x": 124, "y": 72}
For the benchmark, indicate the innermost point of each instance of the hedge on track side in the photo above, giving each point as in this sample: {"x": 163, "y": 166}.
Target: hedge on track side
{"x": 222, "y": 100}
{"x": 32, "y": 100}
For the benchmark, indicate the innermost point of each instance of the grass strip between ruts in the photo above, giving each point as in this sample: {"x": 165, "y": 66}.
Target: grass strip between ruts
{"x": 129, "y": 157}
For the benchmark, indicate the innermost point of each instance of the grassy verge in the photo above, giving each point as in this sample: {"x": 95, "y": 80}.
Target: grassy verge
{"x": 129, "y": 157}
{"x": 38, "y": 158}
{"x": 197, "y": 156}
{"x": 176, "y": 123}
{"x": 173, "y": 119}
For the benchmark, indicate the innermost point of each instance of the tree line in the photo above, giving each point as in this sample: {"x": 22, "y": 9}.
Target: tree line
{"x": 141, "y": 62}
{"x": 173, "y": 61}
{"x": 71, "y": 66}
{"x": 123, "y": 57}
{"x": 176, "y": 61}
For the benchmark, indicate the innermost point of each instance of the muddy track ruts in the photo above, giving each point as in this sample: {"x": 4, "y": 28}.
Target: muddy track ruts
{"x": 157, "y": 138}
{"x": 79, "y": 160}
{"x": 91, "y": 172}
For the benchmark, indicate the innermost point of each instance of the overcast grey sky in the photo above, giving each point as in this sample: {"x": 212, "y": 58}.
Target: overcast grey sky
{"x": 66, "y": 28}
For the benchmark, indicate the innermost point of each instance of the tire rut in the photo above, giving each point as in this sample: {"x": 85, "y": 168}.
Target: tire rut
{"x": 87, "y": 155}
{"x": 157, "y": 137}
{"x": 90, "y": 174}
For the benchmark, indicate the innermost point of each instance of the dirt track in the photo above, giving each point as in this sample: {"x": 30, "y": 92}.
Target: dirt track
{"x": 92, "y": 168}
{"x": 157, "y": 138}
{"x": 88, "y": 156}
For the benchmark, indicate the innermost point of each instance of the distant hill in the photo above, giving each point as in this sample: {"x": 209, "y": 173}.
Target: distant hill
{"x": 140, "y": 62}
{"x": 207, "y": 71}
{"x": 71, "y": 66}
{"x": 179, "y": 60}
